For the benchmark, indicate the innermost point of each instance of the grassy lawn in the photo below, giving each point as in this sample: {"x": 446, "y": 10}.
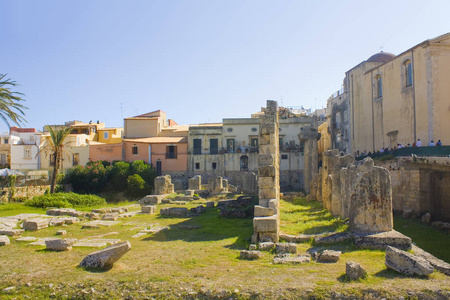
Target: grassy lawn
{"x": 428, "y": 238}
{"x": 197, "y": 263}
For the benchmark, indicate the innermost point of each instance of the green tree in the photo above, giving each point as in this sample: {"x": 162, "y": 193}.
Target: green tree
{"x": 10, "y": 107}
{"x": 54, "y": 145}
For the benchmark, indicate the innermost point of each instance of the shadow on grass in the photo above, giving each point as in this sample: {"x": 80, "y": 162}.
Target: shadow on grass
{"x": 213, "y": 228}
{"x": 96, "y": 270}
{"x": 391, "y": 274}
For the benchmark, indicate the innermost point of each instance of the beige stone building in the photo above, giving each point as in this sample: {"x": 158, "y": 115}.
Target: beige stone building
{"x": 230, "y": 149}
{"x": 394, "y": 99}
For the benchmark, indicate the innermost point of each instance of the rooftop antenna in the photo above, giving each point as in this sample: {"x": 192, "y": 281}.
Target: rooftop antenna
{"x": 381, "y": 49}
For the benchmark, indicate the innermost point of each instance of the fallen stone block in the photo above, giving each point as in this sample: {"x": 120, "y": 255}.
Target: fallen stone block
{"x": 110, "y": 217}
{"x": 139, "y": 234}
{"x": 90, "y": 244}
{"x": 56, "y": 222}
{"x": 287, "y": 259}
{"x": 302, "y": 238}
{"x": 151, "y": 200}
{"x": 210, "y": 204}
{"x": 334, "y": 238}
{"x": 61, "y": 232}
{"x": 90, "y": 226}
{"x": 148, "y": 209}
{"x": 354, "y": 270}
{"x": 64, "y": 211}
{"x": 174, "y": 211}
{"x": 4, "y": 240}
{"x": 166, "y": 201}
{"x": 118, "y": 210}
{"x": 93, "y": 216}
{"x": 382, "y": 240}
{"x": 407, "y": 263}
{"x": 189, "y": 193}
{"x": 437, "y": 263}
{"x": 71, "y": 220}
{"x": 329, "y": 256}
{"x": 250, "y": 255}
{"x": 59, "y": 245}
{"x": 426, "y": 218}
{"x": 252, "y": 247}
{"x": 266, "y": 246}
{"x": 199, "y": 209}
{"x": 28, "y": 239}
{"x": 441, "y": 225}
{"x": 11, "y": 232}
{"x": 35, "y": 224}
{"x": 107, "y": 257}
{"x": 286, "y": 248}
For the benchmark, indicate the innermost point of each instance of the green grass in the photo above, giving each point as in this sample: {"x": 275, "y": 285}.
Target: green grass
{"x": 177, "y": 262}
{"x": 302, "y": 217}
{"x": 428, "y": 238}
{"x": 10, "y": 209}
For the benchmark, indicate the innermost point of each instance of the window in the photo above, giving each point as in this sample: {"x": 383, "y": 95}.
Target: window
{"x": 230, "y": 145}
{"x": 27, "y": 154}
{"x": 244, "y": 163}
{"x": 76, "y": 159}
{"x": 105, "y": 135}
{"x": 197, "y": 146}
{"x": 280, "y": 143}
{"x": 214, "y": 166}
{"x": 214, "y": 146}
{"x": 284, "y": 156}
{"x": 408, "y": 73}
{"x": 135, "y": 150}
{"x": 230, "y": 129}
{"x": 5, "y": 141}
{"x": 379, "y": 85}
{"x": 254, "y": 142}
{"x": 197, "y": 166}
{"x": 171, "y": 151}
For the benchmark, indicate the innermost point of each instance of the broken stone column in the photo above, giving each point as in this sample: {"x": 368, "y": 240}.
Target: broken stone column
{"x": 195, "y": 183}
{"x": 215, "y": 185}
{"x": 309, "y": 136}
{"x": 337, "y": 200}
{"x": 163, "y": 185}
{"x": 266, "y": 226}
{"x": 371, "y": 199}
{"x": 250, "y": 184}
{"x": 328, "y": 161}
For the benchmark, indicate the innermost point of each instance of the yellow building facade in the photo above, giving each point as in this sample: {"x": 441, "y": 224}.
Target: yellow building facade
{"x": 395, "y": 99}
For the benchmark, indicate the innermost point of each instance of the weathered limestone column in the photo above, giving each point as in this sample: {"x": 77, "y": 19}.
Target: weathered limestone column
{"x": 163, "y": 185}
{"x": 329, "y": 159}
{"x": 371, "y": 199}
{"x": 266, "y": 223}
{"x": 309, "y": 136}
{"x": 337, "y": 192}
{"x": 195, "y": 183}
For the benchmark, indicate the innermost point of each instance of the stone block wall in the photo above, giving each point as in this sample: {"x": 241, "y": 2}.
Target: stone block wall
{"x": 163, "y": 185}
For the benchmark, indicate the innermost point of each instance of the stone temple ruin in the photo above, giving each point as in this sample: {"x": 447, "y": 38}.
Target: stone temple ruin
{"x": 358, "y": 191}
{"x": 266, "y": 223}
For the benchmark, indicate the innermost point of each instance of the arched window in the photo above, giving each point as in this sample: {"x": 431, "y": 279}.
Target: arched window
{"x": 408, "y": 73}
{"x": 244, "y": 163}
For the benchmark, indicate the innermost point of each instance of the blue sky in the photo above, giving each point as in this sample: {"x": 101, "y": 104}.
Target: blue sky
{"x": 200, "y": 61}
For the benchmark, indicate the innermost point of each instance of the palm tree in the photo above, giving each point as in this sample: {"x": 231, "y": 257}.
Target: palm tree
{"x": 54, "y": 146}
{"x": 10, "y": 108}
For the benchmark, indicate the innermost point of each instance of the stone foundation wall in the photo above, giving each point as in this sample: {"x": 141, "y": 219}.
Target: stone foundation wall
{"x": 23, "y": 192}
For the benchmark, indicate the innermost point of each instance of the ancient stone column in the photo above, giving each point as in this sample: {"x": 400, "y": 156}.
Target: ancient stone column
{"x": 309, "y": 136}
{"x": 163, "y": 185}
{"x": 266, "y": 222}
{"x": 371, "y": 199}
{"x": 195, "y": 183}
